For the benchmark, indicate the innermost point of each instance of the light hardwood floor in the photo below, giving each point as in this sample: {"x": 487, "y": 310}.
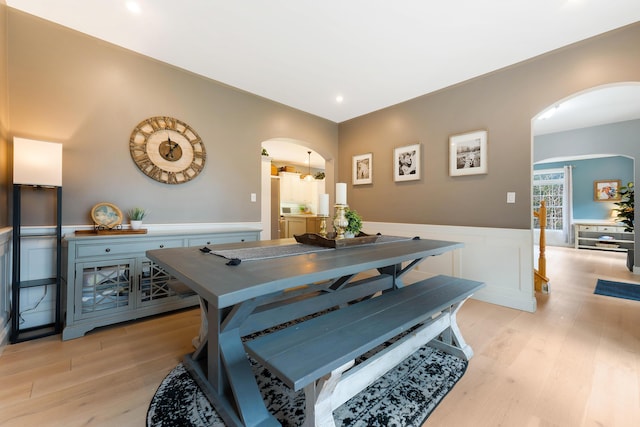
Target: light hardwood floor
{"x": 575, "y": 362}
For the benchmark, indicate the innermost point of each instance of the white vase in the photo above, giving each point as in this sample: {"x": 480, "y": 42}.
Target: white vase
{"x": 136, "y": 224}
{"x": 349, "y": 234}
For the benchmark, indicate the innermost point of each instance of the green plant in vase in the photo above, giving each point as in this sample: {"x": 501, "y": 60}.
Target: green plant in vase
{"x": 626, "y": 207}
{"x": 354, "y": 220}
{"x": 626, "y": 211}
{"x": 135, "y": 217}
{"x": 137, "y": 214}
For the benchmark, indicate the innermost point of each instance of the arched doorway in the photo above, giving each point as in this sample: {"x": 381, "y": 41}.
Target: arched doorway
{"x": 302, "y": 158}
{"x": 597, "y": 126}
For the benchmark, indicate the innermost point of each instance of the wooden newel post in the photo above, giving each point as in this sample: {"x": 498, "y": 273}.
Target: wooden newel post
{"x": 540, "y": 275}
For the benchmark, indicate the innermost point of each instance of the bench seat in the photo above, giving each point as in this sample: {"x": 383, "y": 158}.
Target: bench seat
{"x": 314, "y": 353}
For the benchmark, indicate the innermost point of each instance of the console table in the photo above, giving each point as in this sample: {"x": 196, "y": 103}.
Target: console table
{"x": 108, "y": 279}
{"x": 605, "y": 237}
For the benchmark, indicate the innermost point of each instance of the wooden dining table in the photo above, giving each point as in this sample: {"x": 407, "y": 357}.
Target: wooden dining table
{"x": 275, "y": 283}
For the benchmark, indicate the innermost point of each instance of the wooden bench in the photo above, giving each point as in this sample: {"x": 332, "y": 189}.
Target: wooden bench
{"x": 315, "y": 354}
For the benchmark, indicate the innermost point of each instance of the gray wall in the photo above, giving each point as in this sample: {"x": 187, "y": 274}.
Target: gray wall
{"x": 503, "y": 103}
{"x": 89, "y": 95}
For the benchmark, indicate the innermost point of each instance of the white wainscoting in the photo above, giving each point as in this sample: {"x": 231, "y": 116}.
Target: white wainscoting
{"x": 502, "y": 258}
{"x": 37, "y": 261}
{"x": 5, "y": 284}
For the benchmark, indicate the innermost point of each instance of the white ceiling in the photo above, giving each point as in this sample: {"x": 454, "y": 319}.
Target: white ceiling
{"x": 293, "y": 153}
{"x": 374, "y": 53}
{"x": 602, "y": 105}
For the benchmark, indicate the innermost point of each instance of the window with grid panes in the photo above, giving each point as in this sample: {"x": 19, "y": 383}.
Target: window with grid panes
{"x": 548, "y": 185}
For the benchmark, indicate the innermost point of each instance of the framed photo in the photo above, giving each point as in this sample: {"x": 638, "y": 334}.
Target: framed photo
{"x": 363, "y": 169}
{"x": 406, "y": 163}
{"x": 607, "y": 190}
{"x": 468, "y": 153}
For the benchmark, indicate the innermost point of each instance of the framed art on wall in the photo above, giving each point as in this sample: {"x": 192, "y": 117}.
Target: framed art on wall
{"x": 406, "y": 163}
{"x": 607, "y": 190}
{"x": 468, "y": 153}
{"x": 362, "y": 169}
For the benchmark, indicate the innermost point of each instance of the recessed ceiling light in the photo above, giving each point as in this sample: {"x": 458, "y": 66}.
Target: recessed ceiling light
{"x": 339, "y": 99}
{"x": 134, "y": 7}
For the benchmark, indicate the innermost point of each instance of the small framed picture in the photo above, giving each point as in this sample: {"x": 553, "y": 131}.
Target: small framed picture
{"x": 363, "y": 169}
{"x": 468, "y": 153}
{"x": 607, "y": 190}
{"x": 406, "y": 163}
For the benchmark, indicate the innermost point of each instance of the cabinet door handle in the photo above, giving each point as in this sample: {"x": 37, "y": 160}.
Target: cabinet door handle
{"x": 161, "y": 246}
{"x": 108, "y": 250}
{"x": 208, "y": 243}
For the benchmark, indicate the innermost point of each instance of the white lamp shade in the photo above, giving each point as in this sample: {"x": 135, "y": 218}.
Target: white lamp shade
{"x": 37, "y": 162}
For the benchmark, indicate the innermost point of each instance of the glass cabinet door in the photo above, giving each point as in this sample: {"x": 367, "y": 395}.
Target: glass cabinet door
{"x": 154, "y": 284}
{"x": 105, "y": 286}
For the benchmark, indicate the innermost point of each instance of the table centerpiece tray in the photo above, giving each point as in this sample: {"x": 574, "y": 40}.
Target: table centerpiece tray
{"x": 330, "y": 241}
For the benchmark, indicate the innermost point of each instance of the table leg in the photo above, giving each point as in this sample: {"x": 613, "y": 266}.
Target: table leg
{"x": 230, "y": 382}
{"x": 247, "y": 397}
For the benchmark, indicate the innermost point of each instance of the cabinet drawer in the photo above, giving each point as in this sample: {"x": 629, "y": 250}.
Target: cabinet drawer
{"x": 218, "y": 239}
{"x": 588, "y": 227}
{"x": 611, "y": 228}
{"x": 115, "y": 248}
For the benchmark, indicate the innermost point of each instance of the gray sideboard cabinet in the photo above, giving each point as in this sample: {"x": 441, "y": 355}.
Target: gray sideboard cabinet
{"x": 108, "y": 279}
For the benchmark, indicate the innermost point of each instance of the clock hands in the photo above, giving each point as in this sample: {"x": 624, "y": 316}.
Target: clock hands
{"x": 172, "y": 146}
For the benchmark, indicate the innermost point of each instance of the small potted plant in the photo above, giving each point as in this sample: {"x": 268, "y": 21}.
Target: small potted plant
{"x": 626, "y": 212}
{"x": 135, "y": 217}
{"x": 626, "y": 207}
{"x": 354, "y": 223}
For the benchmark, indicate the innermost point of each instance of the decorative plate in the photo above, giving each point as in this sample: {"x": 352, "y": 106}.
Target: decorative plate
{"x": 106, "y": 215}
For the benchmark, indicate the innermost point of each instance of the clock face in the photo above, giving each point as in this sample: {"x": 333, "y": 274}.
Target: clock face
{"x": 167, "y": 150}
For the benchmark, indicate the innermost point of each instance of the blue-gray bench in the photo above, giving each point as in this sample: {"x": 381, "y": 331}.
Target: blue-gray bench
{"x": 314, "y": 354}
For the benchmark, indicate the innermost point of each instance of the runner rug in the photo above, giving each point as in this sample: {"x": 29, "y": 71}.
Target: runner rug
{"x": 405, "y": 396}
{"x": 618, "y": 289}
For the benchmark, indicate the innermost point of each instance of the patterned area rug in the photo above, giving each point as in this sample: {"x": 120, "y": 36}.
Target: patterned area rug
{"x": 405, "y": 396}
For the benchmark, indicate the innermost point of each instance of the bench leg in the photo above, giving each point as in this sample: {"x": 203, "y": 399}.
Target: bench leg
{"x": 318, "y": 407}
{"x": 202, "y": 334}
{"x": 366, "y": 373}
{"x": 451, "y": 340}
